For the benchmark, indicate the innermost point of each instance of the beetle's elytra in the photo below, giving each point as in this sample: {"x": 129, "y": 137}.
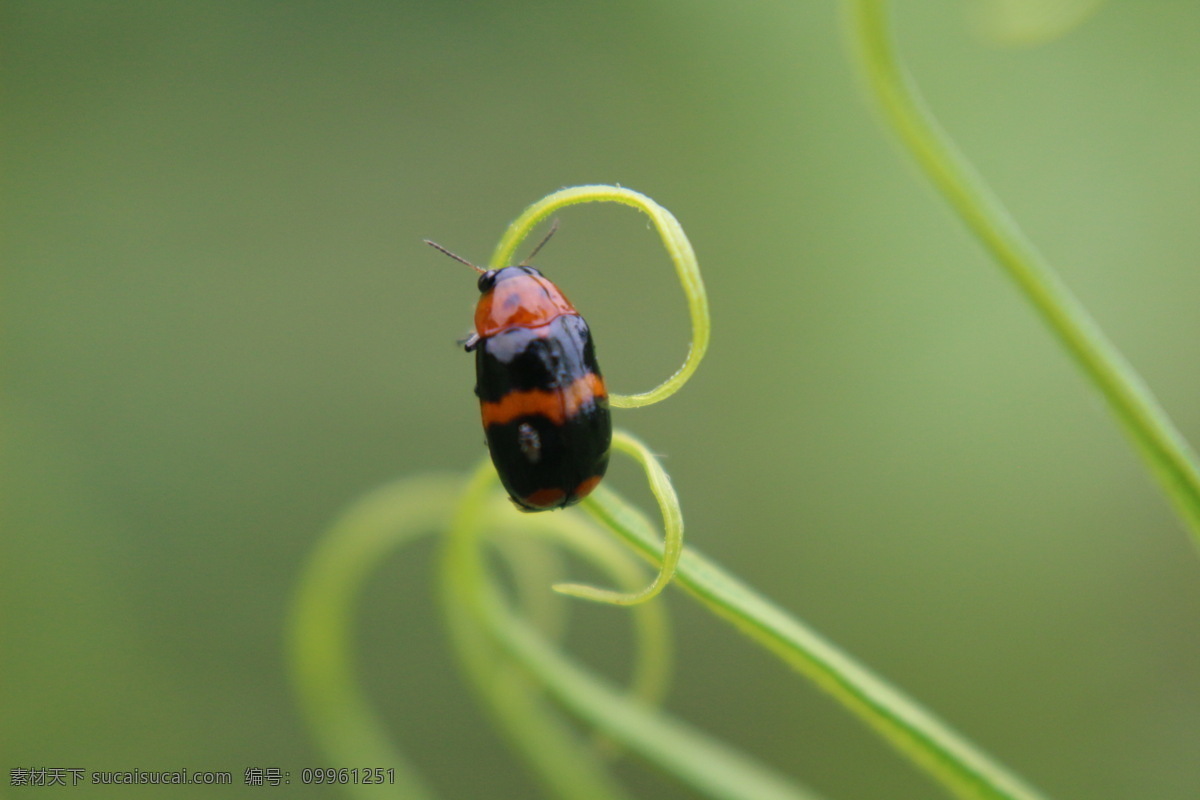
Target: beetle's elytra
{"x": 541, "y": 395}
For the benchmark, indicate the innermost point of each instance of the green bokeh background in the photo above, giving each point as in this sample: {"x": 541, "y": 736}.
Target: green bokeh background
{"x": 220, "y": 327}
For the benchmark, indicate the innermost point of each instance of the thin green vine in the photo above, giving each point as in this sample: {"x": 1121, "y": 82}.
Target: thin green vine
{"x": 561, "y": 759}
{"x": 319, "y": 630}
{"x": 928, "y": 742}
{"x": 1168, "y": 455}
{"x": 668, "y": 503}
{"x": 677, "y": 246}
{"x": 484, "y": 630}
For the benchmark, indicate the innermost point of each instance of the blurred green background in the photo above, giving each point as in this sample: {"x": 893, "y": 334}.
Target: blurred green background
{"x": 220, "y": 327}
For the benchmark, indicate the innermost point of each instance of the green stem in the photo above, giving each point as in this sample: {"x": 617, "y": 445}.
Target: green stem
{"x": 1165, "y": 450}
{"x": 650, "y": 670}
{"x": 320, "y": 629}
{"x": 928, "y": 742}
{"x": 568, "y": 765}
{"x": 484, "y": 630}
{"x": 709, "y": 766}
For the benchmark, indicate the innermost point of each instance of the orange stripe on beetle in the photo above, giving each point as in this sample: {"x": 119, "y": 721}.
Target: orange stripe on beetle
{"x": 556, "y": 405}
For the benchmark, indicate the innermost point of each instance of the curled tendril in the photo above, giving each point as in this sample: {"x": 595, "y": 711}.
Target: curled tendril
{"x": 1170, "y": 457}
{"x": 668, "y": 503}
{"x": 678, "y": 248}
{"x": 486, "y": 514}
{"x": 320, "y": 634}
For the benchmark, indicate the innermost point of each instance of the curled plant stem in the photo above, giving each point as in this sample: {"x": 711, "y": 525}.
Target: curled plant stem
{"x": 668, "y": 503}
{"x": 1164, "y": 449}
{"x": 534, "y": 731}
{"x": 320, "y": 636}
{"x": 320, "y": 629}
{"x": 678, "y": 248}
{"x": 651, "y": 668}
{"x": 709, "y": 766}
{"x": 486, "y": 632}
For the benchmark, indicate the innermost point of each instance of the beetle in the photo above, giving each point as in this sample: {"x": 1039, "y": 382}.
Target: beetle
{"x": 541, "y": 395}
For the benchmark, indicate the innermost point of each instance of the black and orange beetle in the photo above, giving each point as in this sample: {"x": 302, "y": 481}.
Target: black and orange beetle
{"x": 542, "y": 398}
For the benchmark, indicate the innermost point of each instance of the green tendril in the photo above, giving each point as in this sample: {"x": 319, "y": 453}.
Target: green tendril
{"x": 487, "y": 633}
{"x": 678, "y": 248}
{"x": 709, "y": 766}
{"x": 915, "y": 732}
{"x": 1161, "y": 445}
{"x": 668, "y": 503}
{"x": 320, "y": 630}
{"x": 651, "y": 668}
{"x": 572, "y": 767}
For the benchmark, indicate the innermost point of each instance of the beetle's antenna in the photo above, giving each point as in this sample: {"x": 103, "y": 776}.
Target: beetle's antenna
{"x": 437, "y": 246}
{"x": 546, "y": 238}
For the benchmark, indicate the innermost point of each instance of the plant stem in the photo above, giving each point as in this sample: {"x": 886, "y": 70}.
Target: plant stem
{"x": 320, "y": 627}
{"x": 1164, "y": 449}
{"x": 928, "y": 742}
